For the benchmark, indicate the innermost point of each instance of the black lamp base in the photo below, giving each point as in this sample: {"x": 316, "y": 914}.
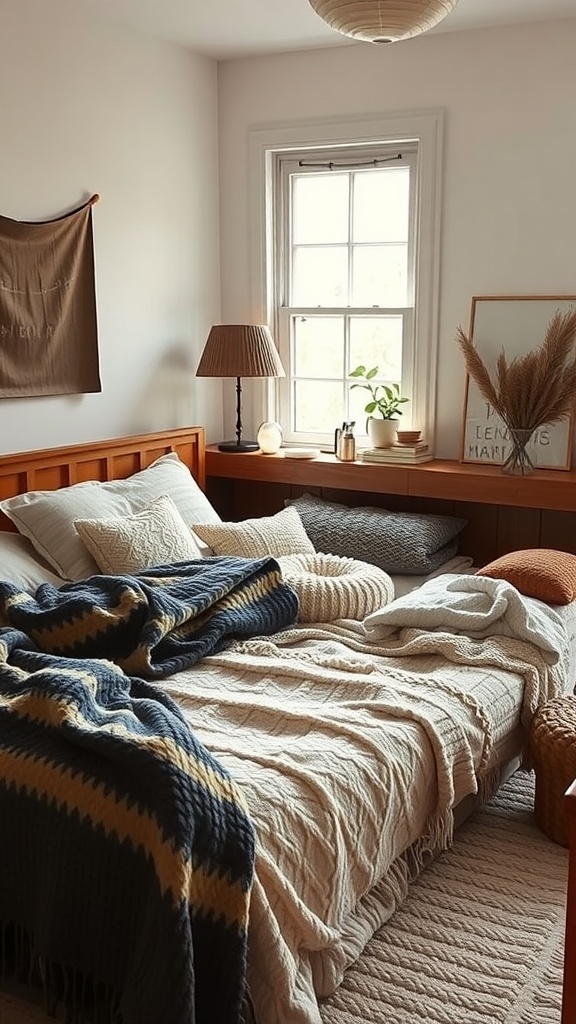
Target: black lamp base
{"x": 238, "y": 446}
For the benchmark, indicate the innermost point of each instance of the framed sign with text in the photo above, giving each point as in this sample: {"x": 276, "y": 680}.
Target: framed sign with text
{"x": 516, "y": 324}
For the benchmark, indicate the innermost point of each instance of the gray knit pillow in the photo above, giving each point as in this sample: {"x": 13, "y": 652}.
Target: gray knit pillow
{"x": 411, "y": 543}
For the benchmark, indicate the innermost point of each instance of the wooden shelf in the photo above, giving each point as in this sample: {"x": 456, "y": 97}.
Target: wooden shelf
{"x": 457, "y": 481}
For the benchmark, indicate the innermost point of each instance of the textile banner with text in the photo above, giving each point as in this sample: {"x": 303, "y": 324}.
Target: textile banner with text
{"x": 48, "y": 321}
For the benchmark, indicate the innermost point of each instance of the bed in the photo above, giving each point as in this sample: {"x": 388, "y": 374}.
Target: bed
{"x": 326, "y": 761}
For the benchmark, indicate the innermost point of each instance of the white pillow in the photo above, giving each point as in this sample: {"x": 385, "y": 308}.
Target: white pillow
{"x": 47, "y": 517}
{"x": 20, "y": 564}
{"x": 281, "y": 534}
{"x": 156, "y": 536}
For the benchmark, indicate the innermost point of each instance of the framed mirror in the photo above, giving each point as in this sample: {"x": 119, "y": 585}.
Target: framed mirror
{"x": 517, "y": 324}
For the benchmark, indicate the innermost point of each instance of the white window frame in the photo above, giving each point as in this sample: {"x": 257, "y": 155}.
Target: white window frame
{"x": 426, "y": 131}
{"x": 286, "y": 165}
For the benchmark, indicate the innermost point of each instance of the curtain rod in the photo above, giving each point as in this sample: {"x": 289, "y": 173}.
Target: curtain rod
{"x": 331, "y": 165}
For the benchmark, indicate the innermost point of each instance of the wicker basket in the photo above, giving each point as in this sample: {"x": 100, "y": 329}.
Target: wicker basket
{"x": 553, "y": 752}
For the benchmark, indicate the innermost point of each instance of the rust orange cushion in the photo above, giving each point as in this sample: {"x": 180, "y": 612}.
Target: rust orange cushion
{"x": 537, "y": 572}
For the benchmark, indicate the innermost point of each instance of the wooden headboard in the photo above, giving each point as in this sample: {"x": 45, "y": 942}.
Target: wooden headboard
{"x": 114, "y": 459}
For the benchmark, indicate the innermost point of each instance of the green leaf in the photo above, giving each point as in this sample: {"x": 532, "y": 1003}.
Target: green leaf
{"x": 371, "y": 373}
{"x": 358, "y": 372}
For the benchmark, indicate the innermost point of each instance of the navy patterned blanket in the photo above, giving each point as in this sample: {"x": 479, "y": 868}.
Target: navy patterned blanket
{"x": 126, "y": 850}
{"x": 159, "y": 621}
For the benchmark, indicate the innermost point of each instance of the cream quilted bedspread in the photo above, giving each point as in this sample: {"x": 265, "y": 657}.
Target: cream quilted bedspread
{"x": 347, "y": 757}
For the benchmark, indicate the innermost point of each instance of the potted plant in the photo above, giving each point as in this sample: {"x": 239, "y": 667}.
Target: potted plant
{"x": 383, "y": 407}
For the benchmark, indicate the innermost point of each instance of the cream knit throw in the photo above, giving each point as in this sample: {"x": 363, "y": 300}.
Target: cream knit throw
{"x": 332, "y": 587}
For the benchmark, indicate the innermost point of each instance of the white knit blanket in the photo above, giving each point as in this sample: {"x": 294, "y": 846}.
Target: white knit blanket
{"x": 344, "y": 762}
{"x": 475, "y": 606}
{"x": 473, "y": 620}
{"x": 347, "y": 756}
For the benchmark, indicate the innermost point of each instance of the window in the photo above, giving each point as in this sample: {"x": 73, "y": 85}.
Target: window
{"x": 349, "y": 272}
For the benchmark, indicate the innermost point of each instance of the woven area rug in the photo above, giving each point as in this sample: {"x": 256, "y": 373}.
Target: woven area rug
{"x": 479, "y": 939}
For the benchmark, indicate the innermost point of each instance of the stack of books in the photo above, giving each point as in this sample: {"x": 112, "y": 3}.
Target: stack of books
{"x": 404, "y": 454}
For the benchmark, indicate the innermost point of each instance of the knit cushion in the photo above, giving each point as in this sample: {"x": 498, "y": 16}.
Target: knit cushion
{"x": 281, "y": 534}
{"x": 408, "y": 543}
{"x": 537, "y": 572}
{"x": 330, "y": 587}
{"x": 156, "y": 536}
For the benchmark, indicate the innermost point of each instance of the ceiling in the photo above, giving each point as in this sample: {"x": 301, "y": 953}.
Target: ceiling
{"x": 224, "y": 29}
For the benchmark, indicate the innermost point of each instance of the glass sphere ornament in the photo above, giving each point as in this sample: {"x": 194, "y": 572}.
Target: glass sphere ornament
{"x": 269, "y": 437}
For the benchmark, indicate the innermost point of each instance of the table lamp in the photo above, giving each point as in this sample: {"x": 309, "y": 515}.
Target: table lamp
{"x": 239, "y": 350}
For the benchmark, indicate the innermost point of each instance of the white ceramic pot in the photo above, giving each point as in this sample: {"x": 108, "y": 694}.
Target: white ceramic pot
{"x": 382, "y": 433}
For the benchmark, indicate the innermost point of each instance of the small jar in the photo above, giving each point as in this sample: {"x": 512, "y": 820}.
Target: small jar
{"x": 269, "y": 437}
{"x": 347, "y": 448}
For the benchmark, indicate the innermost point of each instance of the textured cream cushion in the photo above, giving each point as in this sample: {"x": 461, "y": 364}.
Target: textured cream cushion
{"x": 156, "y": 536}
{"x": 333, "y": 587}
{"x": 47, "y": 517}
{"x": 20, "y": 564}
{"x": 544, "y": 573}
{"x": 281, "y": 534}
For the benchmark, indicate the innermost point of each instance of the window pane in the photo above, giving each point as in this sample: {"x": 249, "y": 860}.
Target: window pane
{"x": 318, "y": 346}
{"x": 380, "y": 275}
{"x": 320, "y": 208}
{"x": 356, "y": 402}
{"x": 377, "y": 341}
{"x": 317, "y": 406}
{"x": 320, "y": 276}
{"x": 381, "y": 202}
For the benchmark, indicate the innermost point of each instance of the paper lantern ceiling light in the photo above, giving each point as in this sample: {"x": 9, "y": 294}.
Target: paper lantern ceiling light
{"x": 382, "y": 21}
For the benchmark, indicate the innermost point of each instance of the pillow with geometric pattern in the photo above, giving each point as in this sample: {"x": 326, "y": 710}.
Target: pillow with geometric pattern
{"x": 157, "y": 535}
{"x": 407, "y": 543}
{"x": 544, "y": 573}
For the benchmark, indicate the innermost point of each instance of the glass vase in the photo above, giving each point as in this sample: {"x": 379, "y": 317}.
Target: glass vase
{"x": 519, "y": 462}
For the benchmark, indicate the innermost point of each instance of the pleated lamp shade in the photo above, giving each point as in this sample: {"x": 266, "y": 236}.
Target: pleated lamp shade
{"x": 240, "y": 350}
{"x": 382, "y": 21}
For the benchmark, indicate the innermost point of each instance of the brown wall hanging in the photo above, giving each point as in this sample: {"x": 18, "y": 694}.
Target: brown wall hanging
{"x": 48, "y": 321}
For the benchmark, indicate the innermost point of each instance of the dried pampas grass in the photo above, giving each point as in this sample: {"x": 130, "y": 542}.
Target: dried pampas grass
{"x": 532, "y": 390}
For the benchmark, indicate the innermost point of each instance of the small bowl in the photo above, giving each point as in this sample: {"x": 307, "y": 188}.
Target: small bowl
{"x": 408, "y": 436}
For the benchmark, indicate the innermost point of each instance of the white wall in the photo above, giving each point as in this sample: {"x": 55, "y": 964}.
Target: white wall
{"x": 509, "y": 201}
{"x": 88, "y": 105}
